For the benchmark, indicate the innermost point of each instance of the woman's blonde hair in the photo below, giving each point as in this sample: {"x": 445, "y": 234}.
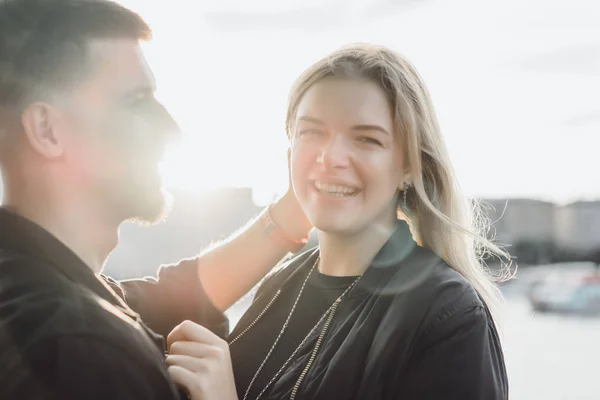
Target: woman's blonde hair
{"x": 441, "y": 217}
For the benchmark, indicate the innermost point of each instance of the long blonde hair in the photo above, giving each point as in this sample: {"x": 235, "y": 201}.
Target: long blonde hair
{"x": 441, "y": 217}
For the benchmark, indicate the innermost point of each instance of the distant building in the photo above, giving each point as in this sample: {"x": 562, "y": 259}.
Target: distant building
{"x": 522, "y": 220}
{"x": 195, "y": 222}
{"x": 544, "y": 229}
{"x": 577, "y": 226}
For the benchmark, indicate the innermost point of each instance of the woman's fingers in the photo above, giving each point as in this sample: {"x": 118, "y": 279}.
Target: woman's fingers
{"x": 189, "y": 331}
{"x": 193, "y": 349}
{"x": 200, "y": 362}
{"x": 190, "y": 363}
{"x": 187, "y": 380}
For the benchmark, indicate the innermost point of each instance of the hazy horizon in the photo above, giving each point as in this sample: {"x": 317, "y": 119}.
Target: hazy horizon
{"x": 516, "y": 85}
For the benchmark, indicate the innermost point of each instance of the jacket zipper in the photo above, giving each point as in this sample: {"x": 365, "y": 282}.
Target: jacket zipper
{"x": 315, "y": 350}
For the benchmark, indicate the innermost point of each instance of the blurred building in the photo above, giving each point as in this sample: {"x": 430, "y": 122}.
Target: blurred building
{"x": 522, "y": 220}
{"x": 544, "y": 230}
{"x": 196, "y": 221}
{"x": 577, "y": 226}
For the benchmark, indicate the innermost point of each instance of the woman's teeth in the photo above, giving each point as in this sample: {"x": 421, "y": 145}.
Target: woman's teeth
{"x": 335, "y": 190}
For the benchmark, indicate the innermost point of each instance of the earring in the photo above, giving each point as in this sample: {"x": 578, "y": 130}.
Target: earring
{"x": 405, "y": 187}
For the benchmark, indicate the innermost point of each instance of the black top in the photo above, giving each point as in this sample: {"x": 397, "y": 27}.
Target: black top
{"x": 65, "y": 334}
{"x": 412, "y": 328}
{"x": 317, "y": 297}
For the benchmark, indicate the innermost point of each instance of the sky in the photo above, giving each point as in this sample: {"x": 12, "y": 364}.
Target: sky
{"x": 516, "y": 85}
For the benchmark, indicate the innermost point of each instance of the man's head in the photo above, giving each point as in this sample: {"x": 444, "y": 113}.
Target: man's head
{"x": 77, "y": 105}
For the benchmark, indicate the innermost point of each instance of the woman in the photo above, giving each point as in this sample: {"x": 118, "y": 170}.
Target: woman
{"x": 394, "y": 302}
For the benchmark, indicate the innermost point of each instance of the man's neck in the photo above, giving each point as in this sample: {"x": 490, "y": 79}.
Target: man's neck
{"x": 351, "y": 255}
{"x": 78, "y": 225}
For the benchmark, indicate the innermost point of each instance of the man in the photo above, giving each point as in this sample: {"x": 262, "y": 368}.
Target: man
{"x": 81, "y": 136}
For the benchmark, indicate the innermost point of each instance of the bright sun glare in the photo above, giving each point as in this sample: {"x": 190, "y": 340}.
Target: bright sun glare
{"x": 227, "y": 88}
{"x": 230, "y": 137}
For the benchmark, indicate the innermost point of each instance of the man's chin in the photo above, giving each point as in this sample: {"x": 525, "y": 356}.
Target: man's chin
{"x": 152, "y": 209}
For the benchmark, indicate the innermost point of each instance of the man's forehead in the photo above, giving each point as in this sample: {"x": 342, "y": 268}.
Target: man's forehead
{"x": 119, "y": 64}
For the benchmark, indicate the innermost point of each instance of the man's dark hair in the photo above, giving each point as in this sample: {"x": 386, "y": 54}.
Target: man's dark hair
{"x": 43, "y": 43}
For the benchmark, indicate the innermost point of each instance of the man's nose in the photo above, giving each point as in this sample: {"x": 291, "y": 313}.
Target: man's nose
{"x": 166, "y": 126}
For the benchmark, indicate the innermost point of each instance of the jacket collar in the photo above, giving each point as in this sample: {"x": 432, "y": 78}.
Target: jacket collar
{"x": 22, "y": 235}
{"x": 399, "y": 258}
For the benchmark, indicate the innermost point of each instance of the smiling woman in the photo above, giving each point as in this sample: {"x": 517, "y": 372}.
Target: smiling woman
{"x": 383, "y": 308}
{"x": 345, "y": 126}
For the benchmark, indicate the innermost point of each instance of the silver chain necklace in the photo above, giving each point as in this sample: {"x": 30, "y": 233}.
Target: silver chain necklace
{"x": 283, "y": 329}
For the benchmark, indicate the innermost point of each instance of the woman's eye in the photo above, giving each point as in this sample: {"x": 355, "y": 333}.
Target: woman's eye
{"x": 370, "y": 140}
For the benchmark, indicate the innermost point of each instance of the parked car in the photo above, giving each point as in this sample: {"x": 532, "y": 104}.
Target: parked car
{"x": 581, "y": 296}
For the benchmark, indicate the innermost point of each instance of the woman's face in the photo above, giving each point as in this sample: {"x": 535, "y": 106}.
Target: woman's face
{"x": 347, "y": 164}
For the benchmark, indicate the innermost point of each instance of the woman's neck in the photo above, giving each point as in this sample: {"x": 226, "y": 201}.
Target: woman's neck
{"x": 351, "y": 255}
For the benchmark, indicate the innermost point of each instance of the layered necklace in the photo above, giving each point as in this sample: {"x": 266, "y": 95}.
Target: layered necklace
{"x": 327, "y": 317}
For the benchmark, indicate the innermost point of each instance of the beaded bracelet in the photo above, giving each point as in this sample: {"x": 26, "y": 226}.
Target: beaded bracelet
{"x": 280, "y": 237}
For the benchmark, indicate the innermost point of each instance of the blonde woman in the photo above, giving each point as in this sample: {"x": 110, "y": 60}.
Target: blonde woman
{"x": 393, "y": 304}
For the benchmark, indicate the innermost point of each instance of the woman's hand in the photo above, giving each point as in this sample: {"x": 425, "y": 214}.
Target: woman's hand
{"x": 287, "y": 212}
{"x": 199, "y": 361}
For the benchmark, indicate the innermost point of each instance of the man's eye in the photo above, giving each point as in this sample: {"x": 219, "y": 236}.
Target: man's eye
{"x": 143, "y": 103}
{"x": 140, "y": 99}
{"x": 310, "y": 132}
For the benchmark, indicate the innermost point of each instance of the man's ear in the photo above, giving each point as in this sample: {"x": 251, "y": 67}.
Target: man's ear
{"x": 41, "y": 129}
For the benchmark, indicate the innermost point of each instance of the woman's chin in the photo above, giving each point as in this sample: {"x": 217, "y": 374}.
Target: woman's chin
{"x": 333, "y": 227}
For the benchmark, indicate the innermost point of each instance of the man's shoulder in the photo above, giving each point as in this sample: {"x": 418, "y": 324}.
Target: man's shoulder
{"x": 36, "y": 302}
{"x": 57, "y": 336}
{"x": 84, "y": 365}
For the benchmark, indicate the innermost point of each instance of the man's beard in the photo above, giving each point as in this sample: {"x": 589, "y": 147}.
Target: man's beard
{"x": 147, "y": 205}
{"x": 152, "y": 209}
